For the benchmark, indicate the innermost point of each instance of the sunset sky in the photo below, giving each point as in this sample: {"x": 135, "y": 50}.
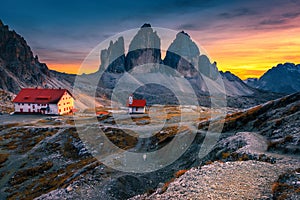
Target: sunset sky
{"x": 244, "y": 37}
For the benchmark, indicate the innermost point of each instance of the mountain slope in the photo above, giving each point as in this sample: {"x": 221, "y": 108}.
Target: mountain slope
{"x": 19, "y": 68}
{"x": 284, "y": 78}
{"x": 257, "y": 147}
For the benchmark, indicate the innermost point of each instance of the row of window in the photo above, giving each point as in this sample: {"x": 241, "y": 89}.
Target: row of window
{"x": 33, "y": 104}
{"x": 66, "y": 98}
{"x": 64, "y": 103}
{"x": 29, "y": 110}
{"x": 65, "y": 109}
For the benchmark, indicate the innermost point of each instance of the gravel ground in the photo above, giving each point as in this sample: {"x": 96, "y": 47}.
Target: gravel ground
{"x": 230, "y": 180}
{"x": 9, "y": 119}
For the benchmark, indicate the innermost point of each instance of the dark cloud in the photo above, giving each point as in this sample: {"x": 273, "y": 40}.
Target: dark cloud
{"x": 188, "y": 26}
{"x": 55, "y": 28}
{"x": 196, "y": 4}
{"x": 273, "y": 22}
{"x": 291, "y": 15}
{"x": 273, "y": 28}
{"x": 238, "y": 13}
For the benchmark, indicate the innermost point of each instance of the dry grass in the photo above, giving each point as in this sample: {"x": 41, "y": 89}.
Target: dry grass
{"x": 225, "y": 155}
{"x": 275, "y": 187}
{"x": 3, "y": 158}
{"x": 209, "y": 162}
{"x": 6, "y": 126}
{"x": 70, "y": 121}
{"x": 121, "y": 138}
{"x": 239, "y": 119}
{"x": 294, "y": 109}
{"x": 69, "y": 151}
{"x": 276, "y": 144}
{"x": 243, "y": 157}
{"x": 166, "y": 185}
{"x": 45, "y": 182}
{"x": 23, "y": 139}
{"x": 176, "y": 175}
{"x": 168, "y": 133}
{"x": 180, "y": 173}
{"x": 143, "y": 120}
{"x": 26, "y": 174}
{"x": 43, "y": 121}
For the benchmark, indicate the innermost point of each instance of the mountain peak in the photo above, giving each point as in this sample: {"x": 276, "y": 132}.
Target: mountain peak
{"x": 283, "y": 78}
{"x": 18, "y": 63}
{"x": 146, "y": 25}
{"x": 185, "y": 33}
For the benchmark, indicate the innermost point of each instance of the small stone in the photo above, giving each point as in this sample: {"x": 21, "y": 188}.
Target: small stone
{"x": 69, "y": 188}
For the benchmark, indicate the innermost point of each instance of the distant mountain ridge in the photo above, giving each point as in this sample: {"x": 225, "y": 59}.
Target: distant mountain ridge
{"x": 284, "y": 78}
{"x": 19, "y": 68}
{"x": 184, "y": 56}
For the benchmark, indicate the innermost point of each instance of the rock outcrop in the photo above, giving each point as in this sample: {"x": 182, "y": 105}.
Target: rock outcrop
{"x": 19, "y": 67}
{"x": 144, "y": 48}
{"x": 183, "y": 55}
{"x": 113, "y": 58}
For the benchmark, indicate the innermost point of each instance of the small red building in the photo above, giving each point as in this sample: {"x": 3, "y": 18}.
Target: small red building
{"x": 136, "y": 105}
{"x": 44, "y": 101}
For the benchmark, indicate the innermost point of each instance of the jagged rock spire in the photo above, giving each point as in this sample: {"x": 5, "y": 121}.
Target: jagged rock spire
{"x": 146, "y": 25}
{"x": 144, "y": 48}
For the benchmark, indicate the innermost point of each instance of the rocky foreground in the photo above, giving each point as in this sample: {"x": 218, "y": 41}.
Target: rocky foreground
{"x": 229, "y": 180}
{"x": 256, "y": 157}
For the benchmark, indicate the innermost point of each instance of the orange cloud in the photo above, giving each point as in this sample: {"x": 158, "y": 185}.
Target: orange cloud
{"x": 251, "y": 54}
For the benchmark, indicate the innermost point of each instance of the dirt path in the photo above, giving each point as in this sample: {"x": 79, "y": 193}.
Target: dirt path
{"x": 231, "y": 180}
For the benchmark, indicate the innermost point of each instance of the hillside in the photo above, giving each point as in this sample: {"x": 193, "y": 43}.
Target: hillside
{"x": 257, "y": 157}
{"x": 20, "y": 68}
{"x": 46, "y": 156}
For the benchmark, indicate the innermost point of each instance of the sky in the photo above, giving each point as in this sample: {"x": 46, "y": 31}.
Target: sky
{"x": 244, "y": 37}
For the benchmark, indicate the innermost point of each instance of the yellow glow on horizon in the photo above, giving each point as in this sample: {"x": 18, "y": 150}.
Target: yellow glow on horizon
{"x": 248, "y": 55}
{"x": 244, "y": 54}
{"x": 72, "y": 68}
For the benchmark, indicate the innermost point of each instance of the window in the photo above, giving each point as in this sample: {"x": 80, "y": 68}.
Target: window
{"x": 29, "y": 104}
{"x": 18, "y": 103}
{"x": 33, "y": 106}
{"x": 38, "y": 104}
{"x": 59, "y": 110}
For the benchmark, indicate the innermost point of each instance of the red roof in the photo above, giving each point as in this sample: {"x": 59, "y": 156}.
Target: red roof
{"x": 36, "y": 95}
{"x": 137, "y": 103}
